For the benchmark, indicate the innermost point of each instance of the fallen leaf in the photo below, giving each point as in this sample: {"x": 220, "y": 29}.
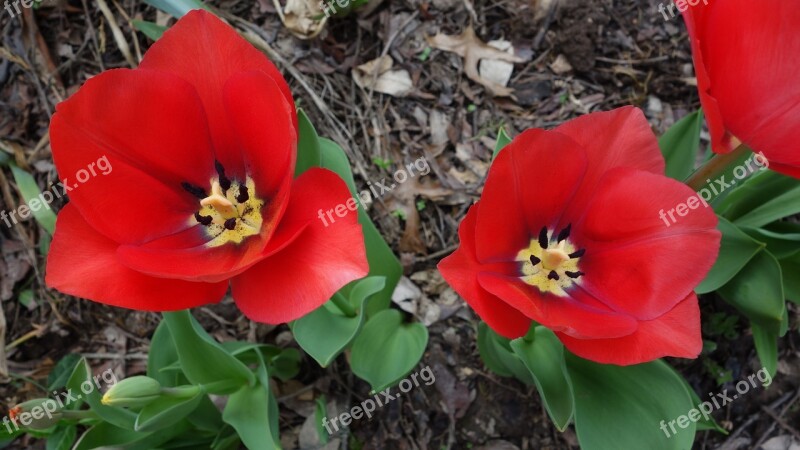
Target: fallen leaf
{"x": 498, "y": 72}
{"x": 561, "y": 66}
{"x": 378, "y": 75}
{"x": 468, "y": 46}
{"x": 303, "y": 18}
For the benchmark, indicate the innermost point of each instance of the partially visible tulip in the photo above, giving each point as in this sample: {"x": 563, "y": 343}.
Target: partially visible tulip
{"x": 747, "y": 61}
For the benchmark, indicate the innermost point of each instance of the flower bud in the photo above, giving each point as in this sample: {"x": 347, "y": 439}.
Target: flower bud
{"x": 36, "y": 414}
{"x": 134, "y": 392}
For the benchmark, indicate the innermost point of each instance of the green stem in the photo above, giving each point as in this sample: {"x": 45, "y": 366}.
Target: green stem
{"x": 344, "y": 305}
{"x": 716, "y": 166}
{"x": 79, "y": 414}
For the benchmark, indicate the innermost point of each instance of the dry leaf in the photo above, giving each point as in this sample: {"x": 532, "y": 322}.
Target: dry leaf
{"x": 303, "y": 18}
{"x": 498, "y": 72}
{"x": 561, "y": 66}
{"x": 378, "y": 75}
{"x": 468, "y": 46}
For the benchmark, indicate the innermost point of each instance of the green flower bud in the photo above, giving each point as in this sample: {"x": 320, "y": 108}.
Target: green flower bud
{"x": 134, "y": 392}
{"x": 36, "y": 414}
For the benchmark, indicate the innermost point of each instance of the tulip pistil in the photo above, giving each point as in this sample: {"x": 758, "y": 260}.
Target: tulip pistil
{"x": 550, "y": 262}
{"x": 231, "y": 212}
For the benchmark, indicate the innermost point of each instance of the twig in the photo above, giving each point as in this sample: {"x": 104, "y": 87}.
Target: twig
{"x": 752, "y": 419}
{"x": 772, "y": 425}
{"x": 117, "y": 32}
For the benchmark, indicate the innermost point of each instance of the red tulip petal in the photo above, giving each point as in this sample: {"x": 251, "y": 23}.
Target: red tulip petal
{"x": 321, "y": 260}
{"x": 579, "y": 315}
{"x": 265, "y": 134}
{"x": 206, "y": 52}
{"x": 617, "y": 138}
{"x": 82, "y": 262}
{"x": 636, "y": 262}
{"x": 461, "y": 269}
{"x": 676, "y": 334}
{"x": 528, "y": 185}
{"x": 758, "y": 43}
{"x": 186, "y": 256}
{"x": 151, "y": 129}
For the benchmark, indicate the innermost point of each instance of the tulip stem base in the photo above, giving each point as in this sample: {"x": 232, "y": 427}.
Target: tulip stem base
{"x": 344, "y": 305}
{"x": 716, "y": 166}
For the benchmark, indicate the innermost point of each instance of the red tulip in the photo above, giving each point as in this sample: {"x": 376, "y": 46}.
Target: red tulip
{"x": 202, "y": 138}
{"x": 567, "y": 234}
{"x": 747, "y": 61}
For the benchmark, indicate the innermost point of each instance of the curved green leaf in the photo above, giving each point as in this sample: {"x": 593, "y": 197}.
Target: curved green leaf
{"x": 248, "y": 411}
{"x": 679, "y": 145}
{"x": 308, "y": 153}
{"x": 736, "y": 250}
{"x": 387, "y": 349}
{"x": 30, "y": 191}
{"x": 503, "y": 139}
{"x": 757, "y": 291}
{"x": 203, "y": 360}
{"x": 544, "y": 357}
{"x": 497, "y": 355}
{"x": 626, "y": 407}
{"x": 326, "y": 332}
{"x": 166, "y": 411}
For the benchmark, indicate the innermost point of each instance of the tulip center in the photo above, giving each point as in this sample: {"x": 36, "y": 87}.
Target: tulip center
{"x": 231, "y": 212}
{"x": 550, "y": 262}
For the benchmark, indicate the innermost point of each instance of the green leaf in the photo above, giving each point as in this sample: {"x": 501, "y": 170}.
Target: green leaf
{"x": 387, "y": 349}
{"x": 780, "y": 244}
{"x": 150, "y": 29}
{"x": 326, "y": 332}
{"x": 177, "y": 8}
{"x": 766, "y": 341}
{"x": 623, "y": 407}
{"x": 248, "y": 411}
{"x": 162, "y": 355}
{"x": 382, "y": 261}
{"x": 62, "y": 438}
{"x": 705, "y": 422}
{"x": 502, "y": 140}
{"x": 83, "y": 387}
{"x": 285, "y": 365}
{"x": 62, "y": 371}
{"x": 30, "y": 192}
{"x": 105, "y": 435}
{"x": 498, "y": 356}
{"x": 736, "y": 250}
{"x": 308, "y": 152}
{"x": 206, "y": 416}
{"x": 544, "y": 357}
{"x": 320, "y": 412}
{"x": 791, "y": 283}
{"x": 751, "y": 195}
{"x": 757, "y": 291}
{"x": 202, "y": 359}
{"x": 680, "y": 144}
{"x": 166, "y": 412}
